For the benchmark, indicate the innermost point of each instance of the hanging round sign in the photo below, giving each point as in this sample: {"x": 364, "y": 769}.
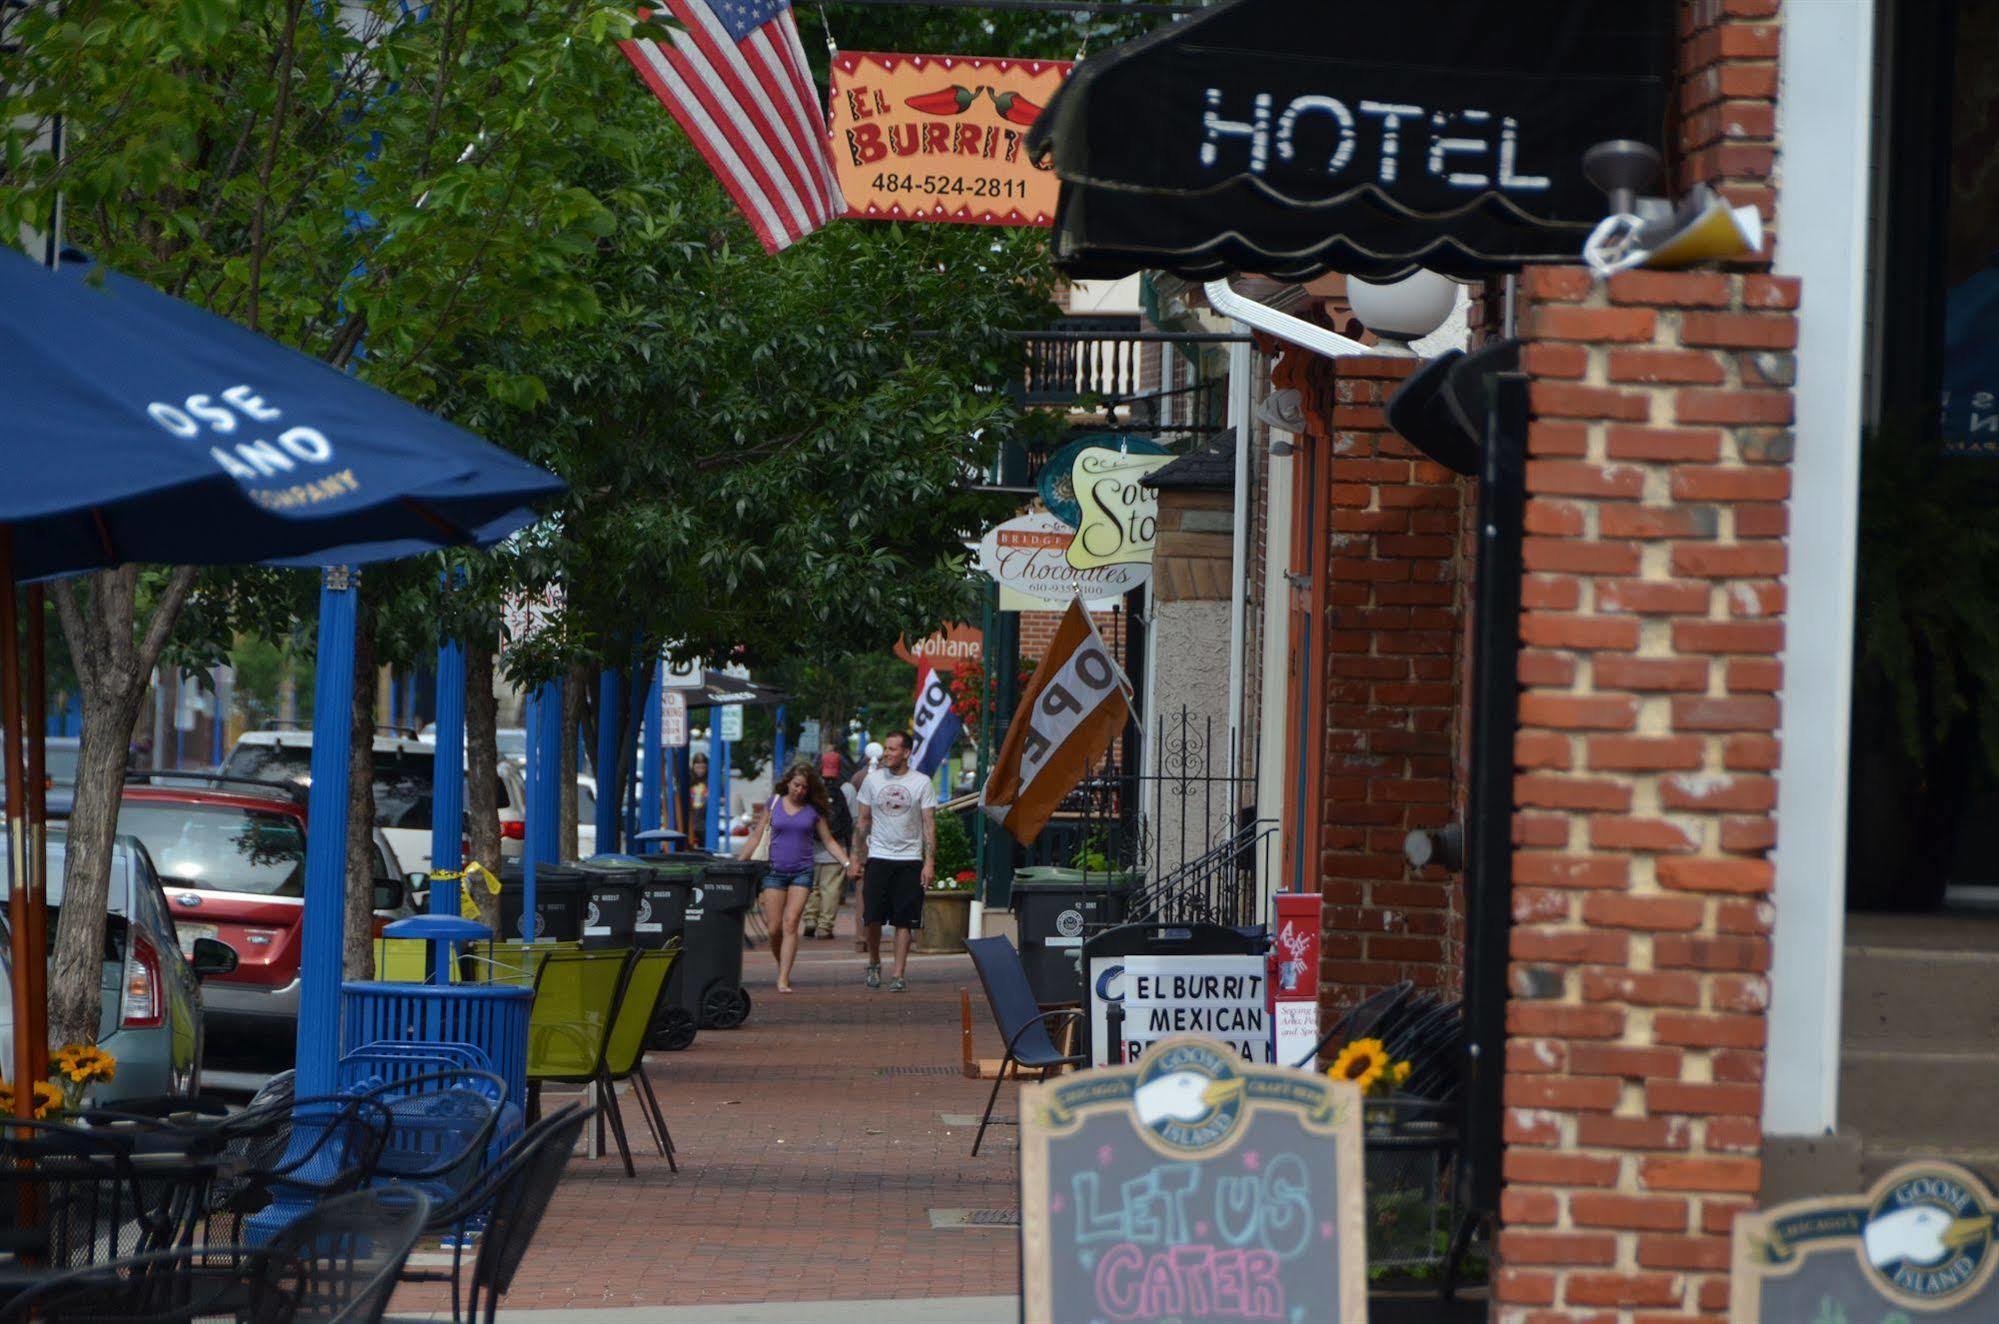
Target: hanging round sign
{"x": 1058, "y": 484}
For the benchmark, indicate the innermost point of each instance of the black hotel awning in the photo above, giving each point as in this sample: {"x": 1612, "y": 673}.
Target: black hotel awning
{"x": 1295, "y": 137}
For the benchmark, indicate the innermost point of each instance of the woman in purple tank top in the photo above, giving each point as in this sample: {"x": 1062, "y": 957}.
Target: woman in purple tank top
{"x": 794, "y": 820}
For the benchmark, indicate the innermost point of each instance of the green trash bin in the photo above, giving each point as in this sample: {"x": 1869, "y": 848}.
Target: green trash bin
{"x": 1055, "y": 908}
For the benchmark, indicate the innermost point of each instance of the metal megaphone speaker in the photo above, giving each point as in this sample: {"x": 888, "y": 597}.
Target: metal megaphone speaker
{"x": 1704, "y": 228}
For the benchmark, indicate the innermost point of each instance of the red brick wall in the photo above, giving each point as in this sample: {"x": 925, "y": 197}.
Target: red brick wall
{"x": 1385, "y": 646}
{"x": 1653, "y": 622}
{"x": 1037, "y": 631}
{"x": 1728, "y": 99}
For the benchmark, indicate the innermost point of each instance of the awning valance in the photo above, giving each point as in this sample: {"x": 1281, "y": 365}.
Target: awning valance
{"x": 1294, "y": 137}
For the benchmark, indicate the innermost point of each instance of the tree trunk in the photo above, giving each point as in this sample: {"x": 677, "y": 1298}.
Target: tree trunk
{"x": 573, "y": 696}
{"x": 482, "y": 757}
{"x": 77, "y": 963}
{"x": 358, "y": 943}
{"x": 100, "y": 621}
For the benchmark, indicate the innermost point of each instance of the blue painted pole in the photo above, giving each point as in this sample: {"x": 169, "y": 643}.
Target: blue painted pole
{"x": 718, "y": 785}
{"x": 447, "y": 811}
{"x": 610, "y": 726}
{"x": 324, "y": 915}
{"x": 650, "y": 760}
{"x": 544, "y": 732}
{"x": 323, "y": 918}
{"x": 676, "y": 777}
{"x": 778, "y": 746}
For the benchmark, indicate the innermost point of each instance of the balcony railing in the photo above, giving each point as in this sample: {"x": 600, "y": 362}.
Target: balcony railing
{"x": 1080, "y": 356}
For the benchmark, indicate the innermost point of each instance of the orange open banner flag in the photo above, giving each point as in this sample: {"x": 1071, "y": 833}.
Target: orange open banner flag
{"x": 1076, "y": 704}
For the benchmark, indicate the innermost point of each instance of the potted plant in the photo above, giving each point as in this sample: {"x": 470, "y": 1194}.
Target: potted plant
{"x": 947, "y": 904}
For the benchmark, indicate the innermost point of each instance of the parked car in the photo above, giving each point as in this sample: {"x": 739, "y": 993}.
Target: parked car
{"x": 405, "y": 771}
{"x": 230, "y": 856}
{"x": 58, "y": 764}
{"x": 152, "y": 997}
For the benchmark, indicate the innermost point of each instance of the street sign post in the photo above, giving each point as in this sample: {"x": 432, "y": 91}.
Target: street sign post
{"x": 673, "y": 719}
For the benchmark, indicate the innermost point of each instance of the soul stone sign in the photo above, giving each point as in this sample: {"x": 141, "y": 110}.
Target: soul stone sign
{"x": 1195, "y": 1188}
{"x": 1918, "y": 1248}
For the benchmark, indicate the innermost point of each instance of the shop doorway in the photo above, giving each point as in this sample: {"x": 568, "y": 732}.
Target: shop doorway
{"x": 1923, "y": 813}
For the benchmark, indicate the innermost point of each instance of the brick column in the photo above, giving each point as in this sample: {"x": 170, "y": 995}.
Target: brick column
{"x": 1651, "y": 628}
{"x": 1384, "y": 648}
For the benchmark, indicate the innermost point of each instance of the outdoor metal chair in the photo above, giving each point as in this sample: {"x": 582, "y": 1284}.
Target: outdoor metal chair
{"x": 569, "y": 1023}
{"x": 186, "y": 1284}
{"x": 1357, "y": 1022}
{"x": 1022, "y": 1023}
{"x": 511, "y": 961}
{"x": 439, "y": 1126}
{"x": 625, "y": 1051}
{"x": 351, "y": 1134}
{"x": 473, "y": 1207}
{"x": 71, "y": 1197}
{"x": 351, "y": 1249}
{"x": 515, "y": 1212}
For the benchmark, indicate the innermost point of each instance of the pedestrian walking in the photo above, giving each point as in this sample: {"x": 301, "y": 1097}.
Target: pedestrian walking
{"x": 796, "y": 818}
{"x": 895, "y": 835}
{"x": 829, "y": 871}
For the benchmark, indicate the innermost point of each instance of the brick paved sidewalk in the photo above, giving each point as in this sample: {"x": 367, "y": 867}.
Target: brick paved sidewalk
{"x": 812, "y": 1152}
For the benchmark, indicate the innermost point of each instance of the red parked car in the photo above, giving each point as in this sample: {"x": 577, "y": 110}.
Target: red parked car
{"x": 230, "y": 854}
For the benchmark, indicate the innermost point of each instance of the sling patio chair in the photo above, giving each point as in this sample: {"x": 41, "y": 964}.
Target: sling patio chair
{"x": 625, "y": 1052}
{"x": 1022, "y": 1023}
{"x": 569, "y": 1023}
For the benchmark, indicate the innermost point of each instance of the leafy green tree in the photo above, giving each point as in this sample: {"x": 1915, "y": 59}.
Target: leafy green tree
{"x": 769, "y": 459}
{"x": 369, "y": 186}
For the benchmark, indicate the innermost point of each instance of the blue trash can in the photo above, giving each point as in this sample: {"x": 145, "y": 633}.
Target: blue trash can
{"x": 491, "y": 1017}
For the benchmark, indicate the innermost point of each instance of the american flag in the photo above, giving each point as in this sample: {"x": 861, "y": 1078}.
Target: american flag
{"x": 735, "y": 77}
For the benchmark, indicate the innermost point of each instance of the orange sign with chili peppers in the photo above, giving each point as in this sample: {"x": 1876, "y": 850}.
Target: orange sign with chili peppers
{"x": 942, "y": 137}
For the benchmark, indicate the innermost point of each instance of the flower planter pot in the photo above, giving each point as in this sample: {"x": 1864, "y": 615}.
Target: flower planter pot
{"x": 947, "y": 921}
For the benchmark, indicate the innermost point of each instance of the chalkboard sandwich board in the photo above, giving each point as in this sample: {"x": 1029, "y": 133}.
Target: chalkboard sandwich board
{"x": 1918, "y": 1248}
{"x": 1195, "y": 1188}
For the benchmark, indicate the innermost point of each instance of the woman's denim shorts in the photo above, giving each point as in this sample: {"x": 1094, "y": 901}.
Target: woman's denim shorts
{"x": 777, "y": 882}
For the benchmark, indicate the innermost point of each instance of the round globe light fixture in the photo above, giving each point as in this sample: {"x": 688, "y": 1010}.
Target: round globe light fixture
{"x": 1403, "y": 310}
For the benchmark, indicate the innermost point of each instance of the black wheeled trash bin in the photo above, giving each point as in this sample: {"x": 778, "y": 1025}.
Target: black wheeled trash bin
{"x": 560, "y": 898}
{"x": 1055, "y": 908}
{"x": 669, "y": 888}
{"x": 710, "y": 973}
{"x": 612, "y": 894}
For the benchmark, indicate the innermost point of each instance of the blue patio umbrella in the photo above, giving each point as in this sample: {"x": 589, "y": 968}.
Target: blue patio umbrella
{"x": 135, "y": 427}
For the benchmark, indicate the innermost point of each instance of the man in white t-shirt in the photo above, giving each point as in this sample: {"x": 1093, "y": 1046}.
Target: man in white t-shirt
{"x": 895, "y": 840}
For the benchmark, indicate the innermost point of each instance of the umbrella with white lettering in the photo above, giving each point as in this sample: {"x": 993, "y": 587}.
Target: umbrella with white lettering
{"x": 135, "y": 427}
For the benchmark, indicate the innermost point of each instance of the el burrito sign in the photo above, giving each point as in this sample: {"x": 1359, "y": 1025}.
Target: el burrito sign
{"x": 942, "y": 137}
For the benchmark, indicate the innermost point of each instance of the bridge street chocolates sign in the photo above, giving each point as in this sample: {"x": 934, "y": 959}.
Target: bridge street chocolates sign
{"x": 1918, "y": 1248}
{"x": 1194, "y": 1188}
{"x": 942, "y": 137}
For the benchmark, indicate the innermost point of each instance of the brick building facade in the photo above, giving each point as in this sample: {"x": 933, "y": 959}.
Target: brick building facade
{"x": 1652, "y": 629}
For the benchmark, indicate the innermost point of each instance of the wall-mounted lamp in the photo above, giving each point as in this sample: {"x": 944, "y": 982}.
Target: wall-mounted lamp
{"x": 1403, "y": 310}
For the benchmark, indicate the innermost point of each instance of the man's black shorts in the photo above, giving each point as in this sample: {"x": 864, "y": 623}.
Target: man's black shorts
{"x": 895, "y": 893}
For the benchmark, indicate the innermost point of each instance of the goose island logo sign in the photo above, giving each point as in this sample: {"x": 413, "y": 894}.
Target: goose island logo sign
{"x": 1922, "y": 1239}
{"x": 1189, "y": 1096}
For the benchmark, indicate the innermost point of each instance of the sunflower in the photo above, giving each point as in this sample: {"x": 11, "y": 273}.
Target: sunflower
{"x": 48, "y": 1098}
{"x": 84, "y": 1063}
{"x": 1364, "y": 1062}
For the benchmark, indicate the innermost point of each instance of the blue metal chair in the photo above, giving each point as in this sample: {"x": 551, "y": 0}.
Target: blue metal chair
{"x": 440, "y": 1127}
{"x": 1022, "y": 1023}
